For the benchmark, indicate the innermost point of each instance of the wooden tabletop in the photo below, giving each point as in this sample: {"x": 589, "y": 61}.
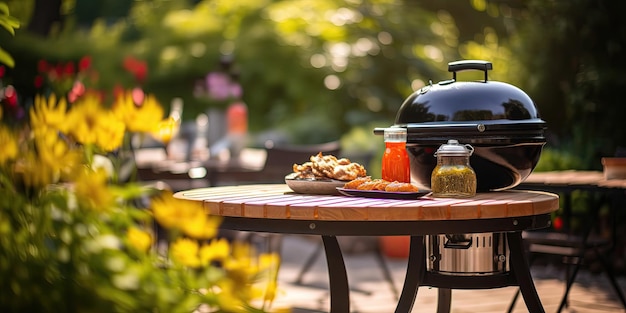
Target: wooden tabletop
{"x": 574, "y": 179}
{"x": 278, "y": 201}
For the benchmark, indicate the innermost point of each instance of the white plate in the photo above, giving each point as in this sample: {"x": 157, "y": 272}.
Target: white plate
{"x": 314, "y": 186}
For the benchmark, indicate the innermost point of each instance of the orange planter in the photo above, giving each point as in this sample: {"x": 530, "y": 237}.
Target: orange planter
{"x": 395, "y": 246}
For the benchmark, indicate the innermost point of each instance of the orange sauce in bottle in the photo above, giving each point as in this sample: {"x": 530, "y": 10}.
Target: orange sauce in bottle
{"x": 395, "y": 163}
{"x": 395, "y": 167}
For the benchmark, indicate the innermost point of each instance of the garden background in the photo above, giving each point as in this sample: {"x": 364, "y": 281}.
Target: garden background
{"x": 323, "y": 70}
{"x": 310, "y": 71}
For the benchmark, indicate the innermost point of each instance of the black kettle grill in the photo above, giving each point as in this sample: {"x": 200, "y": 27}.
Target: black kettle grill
{"x": 499, "y": 120}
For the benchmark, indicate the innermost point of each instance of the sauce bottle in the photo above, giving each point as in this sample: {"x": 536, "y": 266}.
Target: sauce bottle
{"x": 453, "y": 177}
{"x": 395, "y": 163}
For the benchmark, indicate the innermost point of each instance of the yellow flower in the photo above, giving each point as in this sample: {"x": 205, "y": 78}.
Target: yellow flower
{"x": 8, "y": 142}
{"x": 169, "y": 212}
{"x": 92, "y": 190}
{"x": 111, "y": 133}
{"x": 216, "y": 250}
{"x": 52, "y": 160}
{"x": 187, "y": 216}
{"x": 232, "y": 297}
{"x": 92, "y": 124}
{"x": 166, "y": 129}
{"x": 56, "y": 155}
{"x": 30, "y": 171}
{"x": 200, "y": 225}
{"x": 139, "y": 239}
{"x": 184, "y": 251}
{"x": 142, "y": 117}
{"x": 240, "y": 267}
{"x": 49, "y": 114}
{"x": 269, "y": 263}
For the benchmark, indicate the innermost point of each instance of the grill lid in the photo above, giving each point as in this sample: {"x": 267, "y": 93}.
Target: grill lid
{"x": 477, "y": 110}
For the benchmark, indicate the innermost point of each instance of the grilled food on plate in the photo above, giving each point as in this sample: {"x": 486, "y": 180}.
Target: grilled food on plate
{"x": 367, "y": 183}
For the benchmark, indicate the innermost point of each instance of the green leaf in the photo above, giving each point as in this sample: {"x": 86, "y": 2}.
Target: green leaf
{"x": 6, "y": 58}
{"x": 14, "y": 22}
{"x": 4, "y": 8}
{"x": 4, "y": 23}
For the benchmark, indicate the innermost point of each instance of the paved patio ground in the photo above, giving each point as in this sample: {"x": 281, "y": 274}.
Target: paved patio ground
{"x": 372, "y": 294}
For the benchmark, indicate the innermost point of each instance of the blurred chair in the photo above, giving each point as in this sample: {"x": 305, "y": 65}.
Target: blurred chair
{"x": 348, "y": 244}
{"x": 576, "y": 250}
{"x": 280, "y": 159}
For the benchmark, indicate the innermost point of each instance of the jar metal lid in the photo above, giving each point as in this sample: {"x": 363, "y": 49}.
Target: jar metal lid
{"x": 454, "y": 148}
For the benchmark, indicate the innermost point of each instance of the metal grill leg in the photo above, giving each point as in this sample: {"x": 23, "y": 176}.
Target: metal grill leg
{"x": 531, "y": 259}
{"x": 416, "y": 268}
{"x": 521, "y": 270}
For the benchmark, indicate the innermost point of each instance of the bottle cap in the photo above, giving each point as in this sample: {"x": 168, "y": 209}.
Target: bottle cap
{"x": 395, "y": 134}
{"x": 453, "y": 148}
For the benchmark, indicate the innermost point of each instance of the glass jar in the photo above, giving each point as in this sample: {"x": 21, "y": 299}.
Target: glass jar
{"x": 395, "y": 163}
{"x": 453, "y": 177}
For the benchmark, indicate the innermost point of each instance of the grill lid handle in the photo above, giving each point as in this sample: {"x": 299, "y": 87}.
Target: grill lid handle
{"x": 464, "y": 65}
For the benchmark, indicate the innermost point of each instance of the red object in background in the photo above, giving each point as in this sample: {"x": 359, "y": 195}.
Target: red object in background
{"x": 395, "y": 246}
{"x": 557, "y": 223}
{"x": 84, "y": 63}
{"x": 42, "y": 66}
{"x": 69, "y": 69}
{"x": 237, "y": 118}
{"x": 10, "y": 96}
{"x": 137, "y": 67}
{"x": 78, "y": 89}
{"x": 2, "y": 70}
{"x": 138, "y": 96}
{"x": 38, "y": 81}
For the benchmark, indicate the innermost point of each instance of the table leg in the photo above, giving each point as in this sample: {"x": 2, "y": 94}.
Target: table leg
{"x": 416, "y": 268}
{"x": 521, "y": 270}
{"x": 338, "y": 278}
{"x": 567, "y": 212}
{"x": 444, "y": 300}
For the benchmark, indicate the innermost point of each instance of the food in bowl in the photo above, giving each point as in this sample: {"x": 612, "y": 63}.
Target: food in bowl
{"x": 322, "y": 167}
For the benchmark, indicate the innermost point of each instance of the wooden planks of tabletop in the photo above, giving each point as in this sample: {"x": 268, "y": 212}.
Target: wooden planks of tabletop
{"x": 277, "y": 201}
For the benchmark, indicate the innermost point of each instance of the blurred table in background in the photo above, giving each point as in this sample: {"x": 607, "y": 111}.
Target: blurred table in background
{"x": 596, "y": 235}
{"x": 252, "y": 166}
{"x": 154, "y": 164}
{"x": 568, "y": 181}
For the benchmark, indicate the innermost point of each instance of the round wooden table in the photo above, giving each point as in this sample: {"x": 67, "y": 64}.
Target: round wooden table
{"x": 274, "y": 208}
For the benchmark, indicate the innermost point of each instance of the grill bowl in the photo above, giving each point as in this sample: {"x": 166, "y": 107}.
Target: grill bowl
{"x": 497, "y": 167}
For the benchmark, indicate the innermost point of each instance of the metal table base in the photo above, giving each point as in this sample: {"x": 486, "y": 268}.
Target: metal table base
{"x": 416, "y": 275}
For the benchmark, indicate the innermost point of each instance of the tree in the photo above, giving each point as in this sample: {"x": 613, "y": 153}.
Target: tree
{"x": 573, "y": 51}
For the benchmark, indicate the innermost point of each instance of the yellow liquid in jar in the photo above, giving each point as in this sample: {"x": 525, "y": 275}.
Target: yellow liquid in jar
{"x": 453, "y": 181}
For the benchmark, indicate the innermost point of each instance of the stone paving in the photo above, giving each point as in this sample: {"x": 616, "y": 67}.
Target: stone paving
{"x": 372, "y": 294}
